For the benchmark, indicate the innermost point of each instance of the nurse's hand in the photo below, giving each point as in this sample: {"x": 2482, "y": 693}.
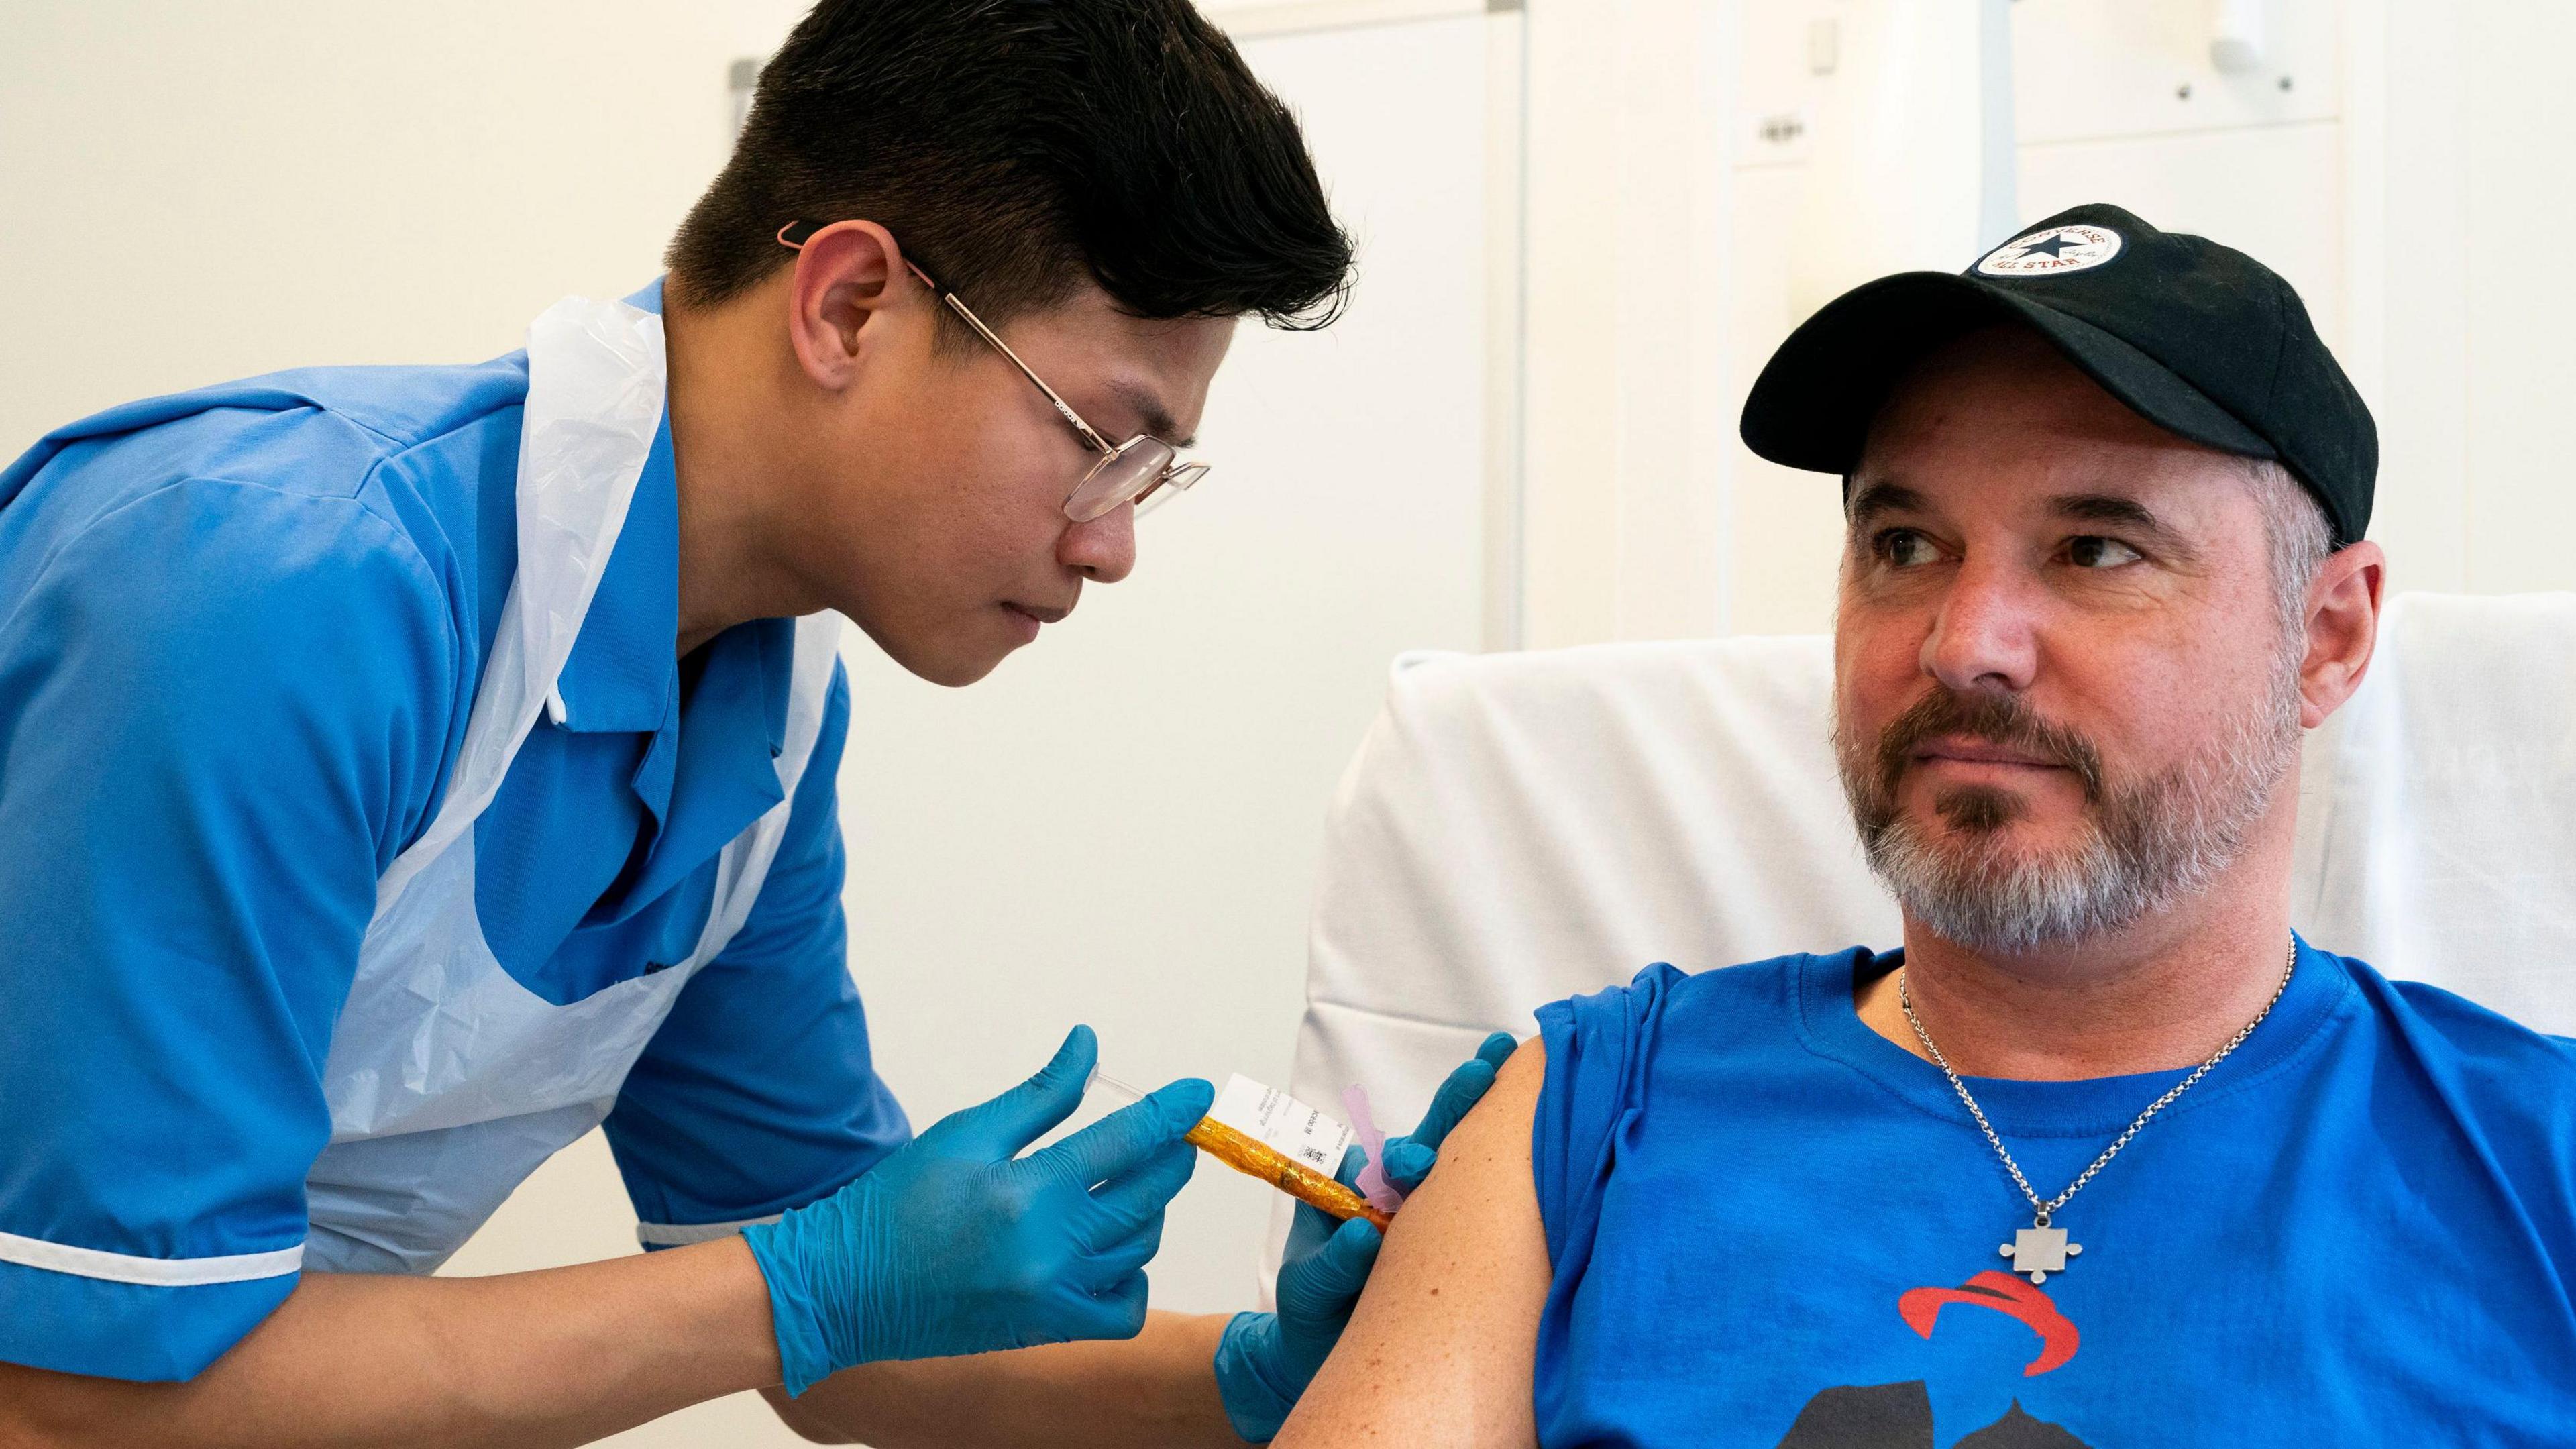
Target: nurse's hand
{"x": 955, "y": 1244}
{"x": 1265, "y": 1360}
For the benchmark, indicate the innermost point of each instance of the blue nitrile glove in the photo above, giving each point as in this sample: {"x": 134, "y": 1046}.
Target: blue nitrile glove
{"x": 1265, "y": 1360}
{"x": 1409, "y": 1158}
{"x": 954, "y": 1244}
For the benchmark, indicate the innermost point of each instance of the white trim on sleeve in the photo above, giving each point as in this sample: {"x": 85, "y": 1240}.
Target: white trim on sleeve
{"x": 151, "y": 1272}
{"x": 681, "y": 1235}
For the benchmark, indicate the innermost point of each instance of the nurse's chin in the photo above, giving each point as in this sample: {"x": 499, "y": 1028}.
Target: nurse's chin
{"x": 953, "y": 657}
{"x": 976, "y": 647}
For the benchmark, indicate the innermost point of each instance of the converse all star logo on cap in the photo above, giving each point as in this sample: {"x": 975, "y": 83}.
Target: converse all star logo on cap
{"x": 2054, "y": 250}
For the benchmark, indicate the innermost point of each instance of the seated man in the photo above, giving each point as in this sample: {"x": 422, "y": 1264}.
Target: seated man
{"x": 2105, "y": 1155}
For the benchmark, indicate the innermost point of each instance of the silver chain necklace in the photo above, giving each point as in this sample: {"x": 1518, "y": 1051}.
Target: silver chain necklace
{"x": 2040, "y": 1249}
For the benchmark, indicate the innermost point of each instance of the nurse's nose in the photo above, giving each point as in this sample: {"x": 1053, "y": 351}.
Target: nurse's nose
{"x": 1103, "y": 549}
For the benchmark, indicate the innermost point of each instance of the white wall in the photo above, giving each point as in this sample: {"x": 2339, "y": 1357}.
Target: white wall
{"x": 1626, "y": 290}
{"x": 2464, "y": 182}
{"x": 194, "y": 192}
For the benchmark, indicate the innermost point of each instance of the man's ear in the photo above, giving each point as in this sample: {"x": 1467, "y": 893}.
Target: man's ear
{"x": 2343, "y": 629}
{"x": 847, "y": 276}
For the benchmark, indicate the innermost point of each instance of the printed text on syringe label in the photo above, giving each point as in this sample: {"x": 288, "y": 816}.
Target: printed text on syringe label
{"x": 1282, "y": 1123}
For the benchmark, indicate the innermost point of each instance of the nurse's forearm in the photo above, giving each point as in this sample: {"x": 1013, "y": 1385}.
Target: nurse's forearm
{"x": 559, "y": 1357}
{"x": 1157, "y": 1388}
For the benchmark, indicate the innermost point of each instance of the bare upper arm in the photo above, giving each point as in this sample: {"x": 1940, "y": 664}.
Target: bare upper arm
{"x": 1439, "y": 1352}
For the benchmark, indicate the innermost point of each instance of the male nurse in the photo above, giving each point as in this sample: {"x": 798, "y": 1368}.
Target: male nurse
{"x": 405, "y": 770}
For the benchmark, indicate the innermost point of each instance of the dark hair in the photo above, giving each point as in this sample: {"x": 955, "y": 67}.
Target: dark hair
{"x": 1016, "y": 148}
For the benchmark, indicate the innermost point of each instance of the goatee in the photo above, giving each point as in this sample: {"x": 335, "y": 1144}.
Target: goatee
{"x": 2147, "y": 842}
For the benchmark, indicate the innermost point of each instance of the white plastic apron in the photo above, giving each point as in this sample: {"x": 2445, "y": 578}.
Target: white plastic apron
{"x": 448, "y": 1081}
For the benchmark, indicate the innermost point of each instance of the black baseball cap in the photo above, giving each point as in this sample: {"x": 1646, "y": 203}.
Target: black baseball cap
{"x": 2198, "y": 338}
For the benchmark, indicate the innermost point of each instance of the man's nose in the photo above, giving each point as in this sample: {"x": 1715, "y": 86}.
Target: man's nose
{"x": 1103, "y": 549}
{"x": 1986, "y": 633}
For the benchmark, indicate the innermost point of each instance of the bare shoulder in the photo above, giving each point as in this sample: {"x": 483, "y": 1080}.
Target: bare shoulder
{"x": 1491, "y": 1148}
{"x": 1440, "y": 1350}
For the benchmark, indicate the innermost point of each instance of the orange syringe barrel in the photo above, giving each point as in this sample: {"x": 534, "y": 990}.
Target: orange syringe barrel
{"x": 1255, "y": 1158}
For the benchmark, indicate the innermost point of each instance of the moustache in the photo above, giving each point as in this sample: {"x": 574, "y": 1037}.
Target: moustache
{"x": 2001, "y": 719}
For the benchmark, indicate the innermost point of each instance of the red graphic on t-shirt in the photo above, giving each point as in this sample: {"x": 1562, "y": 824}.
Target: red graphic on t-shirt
{"x": 2005, "y": 1293}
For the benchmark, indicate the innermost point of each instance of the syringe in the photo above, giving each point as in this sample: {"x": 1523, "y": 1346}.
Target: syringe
{"x": 1254, "y": 1158}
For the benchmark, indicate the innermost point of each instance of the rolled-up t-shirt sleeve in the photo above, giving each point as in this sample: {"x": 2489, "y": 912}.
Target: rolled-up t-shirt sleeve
{"x": 1596, "y": 1051}
{"x": 222, "y": 711}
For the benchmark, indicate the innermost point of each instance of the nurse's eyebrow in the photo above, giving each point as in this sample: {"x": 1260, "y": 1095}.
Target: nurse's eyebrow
{"x": 1150, "y": 411}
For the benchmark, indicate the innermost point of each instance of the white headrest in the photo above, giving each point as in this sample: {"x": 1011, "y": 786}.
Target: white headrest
{"x": 2437, "y": 810}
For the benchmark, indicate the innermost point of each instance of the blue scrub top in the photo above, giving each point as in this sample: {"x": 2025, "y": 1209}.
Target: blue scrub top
{"x": 240, "y": 632}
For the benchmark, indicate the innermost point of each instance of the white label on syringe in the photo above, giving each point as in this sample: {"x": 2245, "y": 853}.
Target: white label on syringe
{"x": 1282, "y": 1123}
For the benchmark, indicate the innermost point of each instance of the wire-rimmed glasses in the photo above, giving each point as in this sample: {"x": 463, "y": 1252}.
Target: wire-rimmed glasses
{"x": 1144, "y": 470}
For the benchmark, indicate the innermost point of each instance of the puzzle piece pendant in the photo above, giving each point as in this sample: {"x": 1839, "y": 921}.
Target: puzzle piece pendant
{"x": 2040, "y": 1250}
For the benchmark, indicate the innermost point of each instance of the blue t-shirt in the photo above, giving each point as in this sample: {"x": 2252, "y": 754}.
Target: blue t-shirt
{"x": 1771, "y": 1226}
{"x": 240, "y": 633}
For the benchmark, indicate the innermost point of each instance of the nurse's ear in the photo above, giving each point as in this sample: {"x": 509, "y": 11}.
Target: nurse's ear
{"x": 847, "y": 277}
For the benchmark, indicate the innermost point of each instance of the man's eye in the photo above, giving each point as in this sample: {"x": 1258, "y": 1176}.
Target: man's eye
{"x": 2100, "y": 553}
{"x": 1904, "y": 548}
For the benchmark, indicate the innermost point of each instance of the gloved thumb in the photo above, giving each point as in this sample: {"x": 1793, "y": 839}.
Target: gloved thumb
{"x": 1408, "y": 1162}
{"x": 1000, "y": 1128}
{"x": 1118, "y": 1142}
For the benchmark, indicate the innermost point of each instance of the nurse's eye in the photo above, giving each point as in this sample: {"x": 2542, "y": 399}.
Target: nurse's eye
{"x": 2093, "y": 552}
{"x": 1902, "y": 548}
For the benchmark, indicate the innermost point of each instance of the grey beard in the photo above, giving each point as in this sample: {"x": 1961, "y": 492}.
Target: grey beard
{"x": 2151, "y": 843}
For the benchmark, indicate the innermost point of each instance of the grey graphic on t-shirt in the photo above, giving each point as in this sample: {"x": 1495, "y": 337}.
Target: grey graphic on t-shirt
{"x": 1899, "y": 1416}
